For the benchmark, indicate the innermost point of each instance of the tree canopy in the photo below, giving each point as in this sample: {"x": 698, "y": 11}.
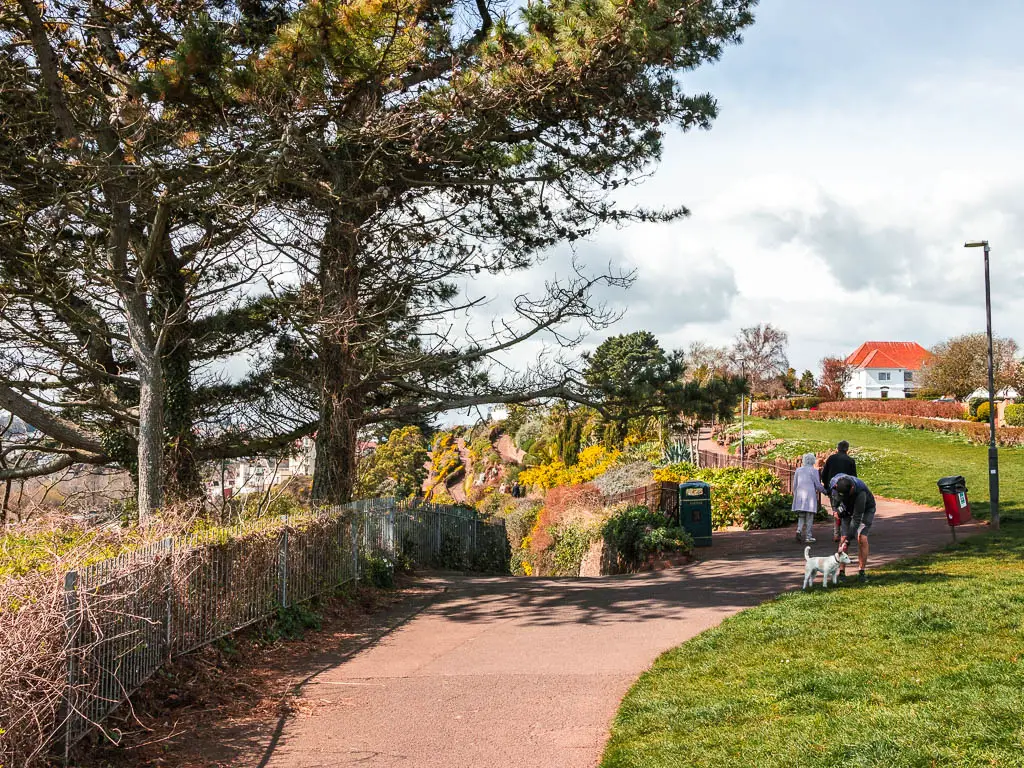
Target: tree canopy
{"x": 760, "y": 353}
{"x": 315, "y": 184}
{"x": 808, "y": 385}
{"x": 396, "y": 467}
{"x": 959, "y": 365}
{"x": 634, "y": 378}
{"x": 835, "y": 375}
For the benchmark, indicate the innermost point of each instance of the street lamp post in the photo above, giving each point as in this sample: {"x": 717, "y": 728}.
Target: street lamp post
{"x": 743, "y": 411}
{"x": 993, "y": 454}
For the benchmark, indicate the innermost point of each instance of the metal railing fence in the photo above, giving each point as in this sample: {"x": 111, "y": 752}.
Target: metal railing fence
{"x": 128, "y": 616}
{"x": 781, "y": 468}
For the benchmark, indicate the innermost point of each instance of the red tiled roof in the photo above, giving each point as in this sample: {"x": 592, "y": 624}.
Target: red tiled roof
{"x": 889, "y": 354}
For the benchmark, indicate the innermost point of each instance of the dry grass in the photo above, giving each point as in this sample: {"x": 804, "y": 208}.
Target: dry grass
{"x": 35, "y": 652}
{"x": 33, "y": 667}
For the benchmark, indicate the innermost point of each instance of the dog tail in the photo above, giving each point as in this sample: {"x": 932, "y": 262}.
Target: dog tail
{"x": 807, "y": 553}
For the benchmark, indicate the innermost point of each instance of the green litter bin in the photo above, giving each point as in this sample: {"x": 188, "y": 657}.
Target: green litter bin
{"x": 695, "y": 511}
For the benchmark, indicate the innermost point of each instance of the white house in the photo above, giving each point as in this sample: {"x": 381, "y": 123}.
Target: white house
{"x": 885, "y": 369}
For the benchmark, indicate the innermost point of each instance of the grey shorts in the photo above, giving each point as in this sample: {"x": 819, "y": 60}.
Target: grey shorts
{"x": 864, "y": 529}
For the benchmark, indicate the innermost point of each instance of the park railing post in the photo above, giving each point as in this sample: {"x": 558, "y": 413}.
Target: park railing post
{"x": 170, "y": 596}
{"x": 282, "y": 563}
{"x": 71, "y": 627}
{"x": 355, "y": 547}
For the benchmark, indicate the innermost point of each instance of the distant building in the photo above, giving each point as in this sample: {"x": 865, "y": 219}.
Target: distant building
{"x": 886, "y": 369}
{"x": 260, "y": 473}
{"x": 256, "y": 475}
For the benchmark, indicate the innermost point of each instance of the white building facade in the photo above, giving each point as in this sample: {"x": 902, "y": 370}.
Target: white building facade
{"x": 885, "y": 370}
{"x": 257, "y": 475}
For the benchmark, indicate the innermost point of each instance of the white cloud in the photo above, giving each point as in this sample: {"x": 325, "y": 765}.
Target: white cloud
{"x": 857, "y": 149}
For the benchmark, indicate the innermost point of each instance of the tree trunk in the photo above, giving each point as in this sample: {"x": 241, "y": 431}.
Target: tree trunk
{"x": 334, "y": 475}
{"x": 182, "y": 479}
{"x": 181, "y": 473}
{"x": 6, "y": 503}
{"x": 151, "y": 436}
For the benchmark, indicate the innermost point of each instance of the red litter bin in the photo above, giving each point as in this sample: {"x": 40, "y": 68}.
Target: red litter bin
{"x": 954, "y": 500}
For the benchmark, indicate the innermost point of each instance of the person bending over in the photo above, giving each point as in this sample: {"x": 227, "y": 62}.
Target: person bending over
{"x": 856, "y": 505}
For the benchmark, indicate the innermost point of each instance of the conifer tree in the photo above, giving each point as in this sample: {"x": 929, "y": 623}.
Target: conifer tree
{"x": 430, "y": 142}
{"x": 128, "y": 179}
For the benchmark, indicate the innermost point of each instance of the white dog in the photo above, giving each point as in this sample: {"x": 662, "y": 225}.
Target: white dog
{"x": 828, "y": 567}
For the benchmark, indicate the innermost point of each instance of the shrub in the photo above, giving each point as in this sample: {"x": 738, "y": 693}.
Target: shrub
{"x": 983, "y": 412}
{"x": 378, "y": 571}
{"x": 920, "y": 408}
{"x": 624, "y": 477}
{"x": 752, "y": 498}
{"x": 637, "y": 532}
{"x": 650, "y": 451}
{"x": 571, "y": 542}
{"x": 677, "y": 451}
{"x": 1014, "y": 415}
{"x": 592, "y": 462}
{"x": 291, "y": 623}
{"x": 520, "y": 520}
{"x": 446, "y": 466}
{"x": 44, "y": 550}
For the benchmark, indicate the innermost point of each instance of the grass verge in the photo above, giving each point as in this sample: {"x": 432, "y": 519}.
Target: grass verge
{"x": 924, "y": 666}
{"x": 906, "y": 463}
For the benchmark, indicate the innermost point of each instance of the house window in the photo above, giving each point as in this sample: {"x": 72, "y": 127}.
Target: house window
{"x": 885, "y": 393}
{"x": 884, "y": 376}
{"x": 908, "y": 375}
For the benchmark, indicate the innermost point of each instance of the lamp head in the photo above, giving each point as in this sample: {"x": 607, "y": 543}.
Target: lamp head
{"x": 976, "y": 244}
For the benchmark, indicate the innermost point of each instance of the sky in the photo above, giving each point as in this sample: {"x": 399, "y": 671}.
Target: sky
{"x": 859, "y": 144}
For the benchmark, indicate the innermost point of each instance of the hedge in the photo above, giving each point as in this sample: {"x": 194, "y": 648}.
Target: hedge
{"x": 785, "y": 404}
{"x": 799, "y": 403}
{"x": 973, "y": 431}
{"x": 769, "y": 406}
{"x": 920, "y": 408}
{"x": 1014, "y": 415}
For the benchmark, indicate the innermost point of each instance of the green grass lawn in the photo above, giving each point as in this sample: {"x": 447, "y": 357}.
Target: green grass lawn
{"x": 906, "y": 463}
{"x": 924, "y": 666}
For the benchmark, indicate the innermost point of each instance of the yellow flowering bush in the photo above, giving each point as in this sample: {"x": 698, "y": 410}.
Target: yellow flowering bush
{"x": 592, "y": 462}
{"x": 445, "y": 462}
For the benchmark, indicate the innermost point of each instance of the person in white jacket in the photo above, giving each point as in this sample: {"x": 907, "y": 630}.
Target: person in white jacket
{"x": 806, "y": 487}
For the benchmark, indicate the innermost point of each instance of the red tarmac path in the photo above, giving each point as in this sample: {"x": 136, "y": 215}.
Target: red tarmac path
{"x": 528, "y": 673}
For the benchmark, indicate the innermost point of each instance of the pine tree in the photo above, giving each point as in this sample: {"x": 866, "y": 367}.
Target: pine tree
{"x": 425, "y": 146}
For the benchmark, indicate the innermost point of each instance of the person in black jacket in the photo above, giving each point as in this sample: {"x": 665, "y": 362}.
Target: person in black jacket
{"x": 857, "y": 508}
{"x": 839, "y": 463}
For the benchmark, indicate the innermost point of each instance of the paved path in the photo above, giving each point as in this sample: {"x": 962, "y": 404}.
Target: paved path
{"x": 529, "y": 672}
